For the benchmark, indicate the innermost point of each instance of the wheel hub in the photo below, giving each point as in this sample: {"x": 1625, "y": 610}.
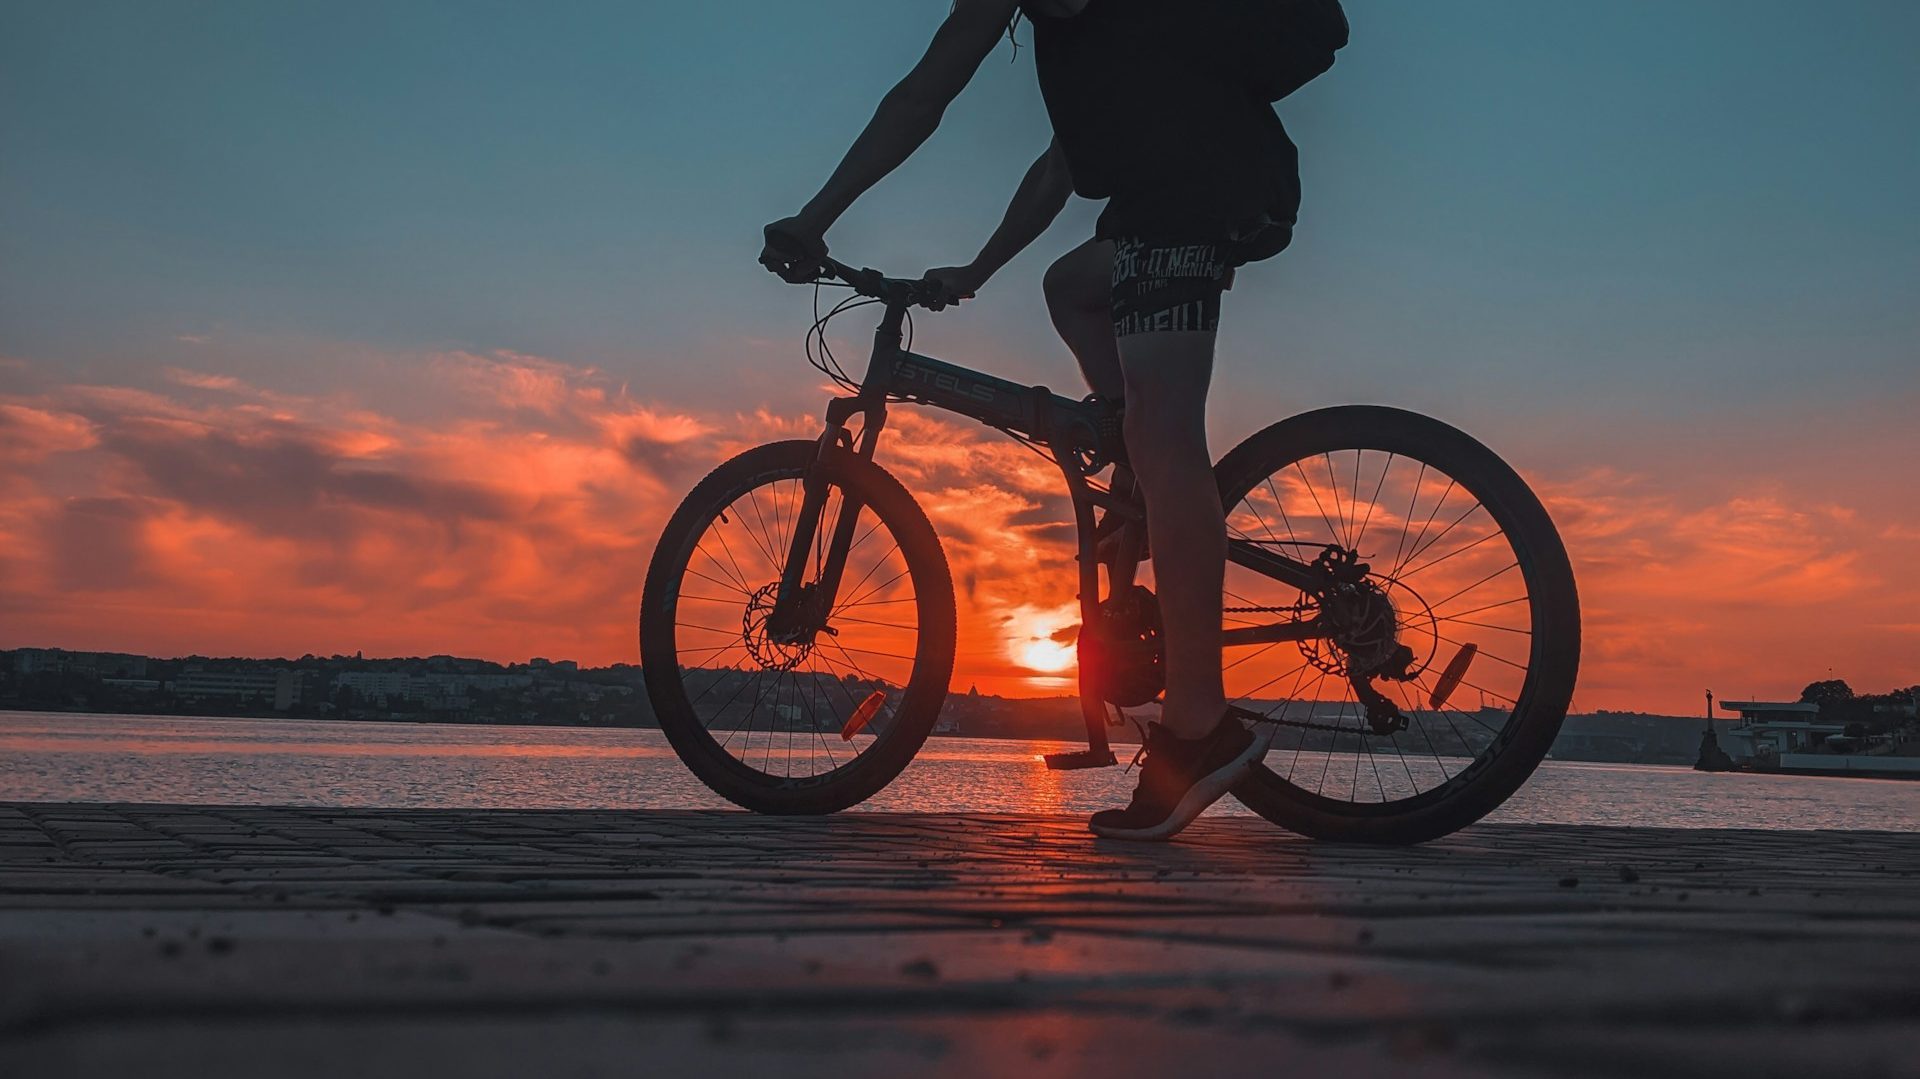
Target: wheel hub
{"x": 773, "y": 654}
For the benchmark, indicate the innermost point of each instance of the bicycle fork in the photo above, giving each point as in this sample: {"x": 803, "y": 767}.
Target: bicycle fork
{"x": 800, "y": 607}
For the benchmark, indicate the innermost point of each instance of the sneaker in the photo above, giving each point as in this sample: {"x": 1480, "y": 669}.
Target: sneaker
{"x": 1179, "y": 778}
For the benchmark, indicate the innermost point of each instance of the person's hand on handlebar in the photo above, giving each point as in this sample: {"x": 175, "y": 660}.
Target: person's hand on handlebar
{"x": 794, "y": 247}
{"x": 951, "y": 284}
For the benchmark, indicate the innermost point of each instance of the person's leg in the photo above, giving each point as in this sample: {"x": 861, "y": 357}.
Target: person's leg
{"x": 1163, "y": 377}
{"x": 1165, "y": 309}
{"x": 1166, "y": 376}
{"x": 1079, "y": 291}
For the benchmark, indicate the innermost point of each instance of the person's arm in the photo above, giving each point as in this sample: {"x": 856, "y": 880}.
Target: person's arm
{"x": 1038, "y": 200}
{"x": 1041, "y": 196}
{"x": 908, "y": 114}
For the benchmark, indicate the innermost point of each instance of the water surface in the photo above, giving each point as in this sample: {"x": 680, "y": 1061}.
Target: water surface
{"x": 51, "y": 757}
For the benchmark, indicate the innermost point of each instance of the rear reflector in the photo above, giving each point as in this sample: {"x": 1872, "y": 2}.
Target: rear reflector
{"x": 1450, "y": 678}
{"x": 863, "y": 715}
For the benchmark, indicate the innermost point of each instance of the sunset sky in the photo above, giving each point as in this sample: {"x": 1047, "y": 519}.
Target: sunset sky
{"x": 401, "y": 327}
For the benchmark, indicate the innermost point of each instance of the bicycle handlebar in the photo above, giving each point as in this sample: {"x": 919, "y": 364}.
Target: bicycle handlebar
{"x": 893, "y": 291}
{"x": 811, "y": 267}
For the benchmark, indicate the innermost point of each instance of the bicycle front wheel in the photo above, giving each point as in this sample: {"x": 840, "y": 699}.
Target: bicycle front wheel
{"x": 810, "y": 726}
{"x": 1467, "y": 623}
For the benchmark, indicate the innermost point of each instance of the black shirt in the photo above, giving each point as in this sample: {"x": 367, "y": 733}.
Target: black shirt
{"x": 1146, "y": 121}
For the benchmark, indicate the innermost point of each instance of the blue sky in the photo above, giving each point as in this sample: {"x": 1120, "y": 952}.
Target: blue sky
{"x": 1673, "y": 242}
{"x": 1648, "y": 205}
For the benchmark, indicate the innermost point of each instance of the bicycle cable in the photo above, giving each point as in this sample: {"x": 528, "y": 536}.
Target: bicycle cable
{"x": 824, "y": 360}
{"x": 820, "y": 357}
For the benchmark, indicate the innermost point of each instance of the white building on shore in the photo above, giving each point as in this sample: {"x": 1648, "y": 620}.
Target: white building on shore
{"x": 277, "y": 684}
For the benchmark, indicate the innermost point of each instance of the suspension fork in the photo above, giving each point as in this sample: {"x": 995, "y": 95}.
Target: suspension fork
{"x": 800, "y": 609}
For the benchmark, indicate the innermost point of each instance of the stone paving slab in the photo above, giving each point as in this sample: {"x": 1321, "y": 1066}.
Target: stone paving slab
{"x": 207, "y": 941}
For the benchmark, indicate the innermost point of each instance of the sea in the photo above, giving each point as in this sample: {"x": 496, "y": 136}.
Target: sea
{"x": 74, "y": 757}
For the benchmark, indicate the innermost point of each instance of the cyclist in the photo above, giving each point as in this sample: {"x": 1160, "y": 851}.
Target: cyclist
{"x": 1199, "y": 176}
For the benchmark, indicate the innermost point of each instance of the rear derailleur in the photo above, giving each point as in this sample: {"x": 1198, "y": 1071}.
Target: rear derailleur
{"x": 1363, "y": 627}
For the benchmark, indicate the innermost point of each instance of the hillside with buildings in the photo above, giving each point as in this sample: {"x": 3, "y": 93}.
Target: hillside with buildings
{"x": 452, "y": 689}
{"x": 445, "y": 689}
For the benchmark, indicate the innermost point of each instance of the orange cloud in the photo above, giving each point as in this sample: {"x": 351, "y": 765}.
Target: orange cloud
{"x": 214, "y": 516}
{"x": 29, "y": 433}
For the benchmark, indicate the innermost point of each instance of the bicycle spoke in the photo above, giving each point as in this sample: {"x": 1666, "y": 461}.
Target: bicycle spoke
{"x": 876, "y": 603}
{"x": 740, "y": 580}
{"x": 1333, "y": 485}
{"x": 877, "y": 589}
{"x": 1495, "y": 534}
{"x": 870, "y": 622}
{"x": 1423, "y": 548}
{"x": 1486, "y": 625}
{"x": 711, "y": 580}
{"x": 1373, "y": 501}
{"x": 871, "y": 652}
{"x": 776, "y": 705}
{"x": 1407, "y": 519}
{"x": 1281, "y": 505}
{"x": 1509, "y": 566}
{"x": 1477, "y": 610}
{"x": 1424, "y": 526}
{"x": 765, "y": 542}
{"x": 1332, "y": 533}
{"x": 1446, "y": 543}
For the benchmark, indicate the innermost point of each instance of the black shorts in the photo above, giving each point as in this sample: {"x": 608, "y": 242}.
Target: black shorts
{"x": 1161, "y": 286}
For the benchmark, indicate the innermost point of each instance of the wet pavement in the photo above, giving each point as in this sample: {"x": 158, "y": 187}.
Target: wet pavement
{"x": 196, "y": 941}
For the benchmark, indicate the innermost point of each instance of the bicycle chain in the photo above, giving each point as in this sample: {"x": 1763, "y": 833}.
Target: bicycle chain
{"x": 1308, "y": 725}
{"x": 1299, "y": 724}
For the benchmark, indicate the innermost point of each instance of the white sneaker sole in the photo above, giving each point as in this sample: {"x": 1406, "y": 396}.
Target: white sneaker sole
{"x": 1204, "y": 793}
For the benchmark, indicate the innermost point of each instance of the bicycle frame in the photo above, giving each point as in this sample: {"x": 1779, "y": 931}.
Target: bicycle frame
{"x": 1083, "y": 436}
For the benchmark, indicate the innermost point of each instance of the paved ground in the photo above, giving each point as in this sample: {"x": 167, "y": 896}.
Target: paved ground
{"x": 192, "y": 941}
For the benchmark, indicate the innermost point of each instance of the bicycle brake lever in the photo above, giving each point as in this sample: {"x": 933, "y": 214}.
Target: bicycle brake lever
{"x": 934, "y": 299}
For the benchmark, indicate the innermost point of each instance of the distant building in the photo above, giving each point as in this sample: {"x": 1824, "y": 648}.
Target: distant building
{"x": 1777, "y": 727}
{"x": 470, "y": 682}
{"x": 375, "y": 685}
{"x": 276, "y": 684}
{"x": 94, "y": 664}
{"x": 435, "y": 690}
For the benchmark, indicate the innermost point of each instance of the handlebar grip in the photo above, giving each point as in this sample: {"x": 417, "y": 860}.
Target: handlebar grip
{"x": 796, "y": 259}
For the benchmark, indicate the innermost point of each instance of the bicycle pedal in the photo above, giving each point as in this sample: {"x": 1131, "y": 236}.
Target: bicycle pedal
{"x": 1083, "y": 758}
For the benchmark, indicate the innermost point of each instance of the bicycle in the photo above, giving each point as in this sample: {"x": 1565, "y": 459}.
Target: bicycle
{"x": 796, "y": 671}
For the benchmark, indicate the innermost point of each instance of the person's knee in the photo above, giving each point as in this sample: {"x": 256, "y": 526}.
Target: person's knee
{"x": 1078, "y": 284}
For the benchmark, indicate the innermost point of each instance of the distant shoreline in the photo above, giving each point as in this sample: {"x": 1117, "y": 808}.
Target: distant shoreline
{"x": 1676, "y": 755}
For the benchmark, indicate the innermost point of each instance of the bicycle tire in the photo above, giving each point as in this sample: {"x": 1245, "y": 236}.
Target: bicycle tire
{"x": 1541, "y": 704}
{"x": 870, "y": 486}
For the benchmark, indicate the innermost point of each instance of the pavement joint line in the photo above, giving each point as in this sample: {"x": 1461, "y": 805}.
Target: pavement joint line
{"x": 1496, "y": 947}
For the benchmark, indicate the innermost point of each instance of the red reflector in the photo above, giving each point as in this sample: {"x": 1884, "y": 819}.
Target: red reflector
{"x": 1450, "y": 678}
{"x": 863, "y": 715}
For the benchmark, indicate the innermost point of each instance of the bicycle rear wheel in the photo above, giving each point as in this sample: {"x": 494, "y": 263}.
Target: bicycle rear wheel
{"x": 808, "y": 726}
{"x": 1481, "y": 594}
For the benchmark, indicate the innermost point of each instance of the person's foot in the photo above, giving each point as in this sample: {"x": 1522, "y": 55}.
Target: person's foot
{"x": 1179, "y": 779}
